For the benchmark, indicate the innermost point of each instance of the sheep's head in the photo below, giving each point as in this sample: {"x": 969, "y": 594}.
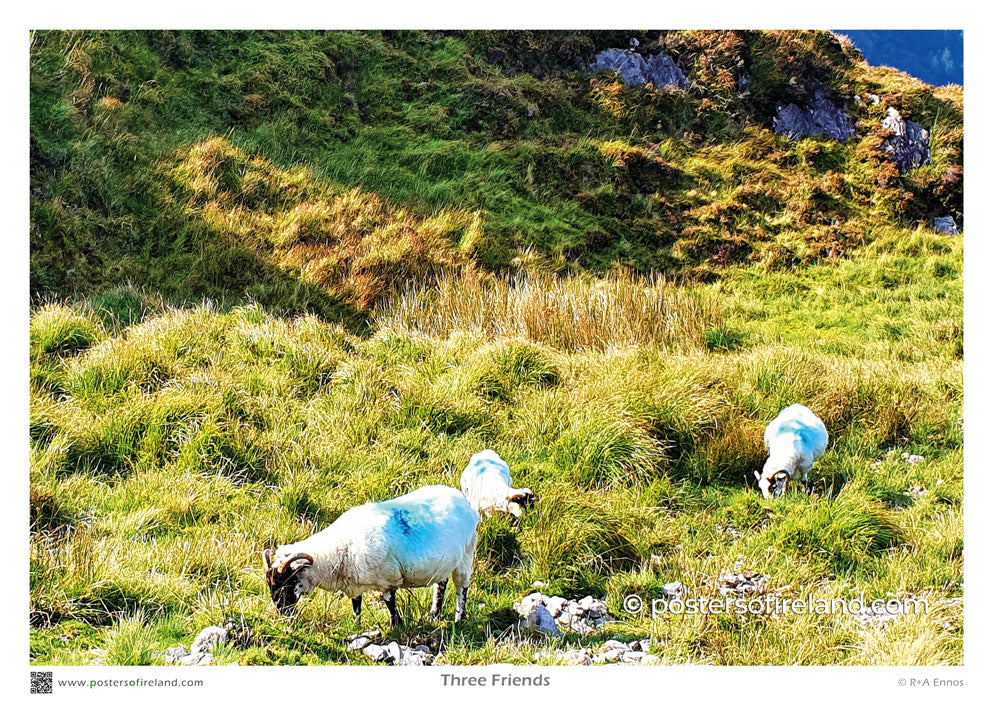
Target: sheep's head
{"x": 287, "y": 580}
{"x": 773, "y": 484}
{"x": 523, "y": 499}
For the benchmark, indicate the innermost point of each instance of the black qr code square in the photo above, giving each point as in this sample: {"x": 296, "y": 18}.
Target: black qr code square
{"x": 41, "y": 682}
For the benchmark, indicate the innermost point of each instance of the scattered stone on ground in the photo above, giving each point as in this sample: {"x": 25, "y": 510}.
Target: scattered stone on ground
{"x": 552, "y": 614}
{"x": 946, "y": 225}
{"x": 360, "y": 640}
{"x": 729, "y": 530}
{"x": 180, "y": 655}
{"x": 821, "y": 116}
{"x": 674, "y": 590}
{"x": 391, "y": 652}
{"x": 208, "y": 638}
{"x": 634, "y": 69}
{"x": 200, "y": 652}
{"x": 912, "y": 459}
{"x": 742, "y": 583}
{"x": 869, "y": 616}
{"x": 612, "y": 651}
{"x": 909, "y": 142}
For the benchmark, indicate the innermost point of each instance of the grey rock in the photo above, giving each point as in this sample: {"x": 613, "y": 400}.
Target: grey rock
{"x": 394, "y": 652}
{"x": 554, "y": 605}
{"x": 173, "y": 654}
{"x": 821, "y": 116}
{"x": 413, "y": 657}
{"x": 633, "y": 657}
{"x": 359, "y": 643}
{"x": 376, "y": 653}
{"x": 741, "y": 583}
{"x": 583, "y": 656}
{"x": 196, "y": 659}
{"x": 541, "y": 619}
{"x": 209, "y": 638}
{"x": 371, "y": 634}
{"x": 553, "y": 614}
{"x": 674, "y": 590}
{"x": 909, "y": 142}
{"x": 611, "y": 655}
{"x": 635, "y": 70}
{"x": 529, "y": 603}
{"x": 946, "y": 225}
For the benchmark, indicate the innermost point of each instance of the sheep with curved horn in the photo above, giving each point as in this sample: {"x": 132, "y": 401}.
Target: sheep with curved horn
{"x": 419, "y": 539}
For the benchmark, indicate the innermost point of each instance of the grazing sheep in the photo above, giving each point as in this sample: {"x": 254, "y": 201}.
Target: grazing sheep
{"x": 415, "y": 540}
{"x": 794, "y": 440}
{"x": 487, "y": 485}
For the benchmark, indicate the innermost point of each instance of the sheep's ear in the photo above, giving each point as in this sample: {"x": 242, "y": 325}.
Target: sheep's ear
{"x": 267, "y": 556}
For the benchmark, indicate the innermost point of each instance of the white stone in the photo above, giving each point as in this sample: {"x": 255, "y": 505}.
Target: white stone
{"x": 209, "y": 638}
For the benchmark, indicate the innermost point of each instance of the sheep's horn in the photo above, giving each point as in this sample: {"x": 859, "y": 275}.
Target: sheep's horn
{"x": 267, "y": 557}
{"x": 290, "y": 560}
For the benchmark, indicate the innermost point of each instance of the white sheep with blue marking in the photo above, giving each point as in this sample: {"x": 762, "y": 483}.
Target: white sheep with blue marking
{"x": 487, "y": 484}
{"x": 794, "y": 439}
{"x": 416, "y": 540}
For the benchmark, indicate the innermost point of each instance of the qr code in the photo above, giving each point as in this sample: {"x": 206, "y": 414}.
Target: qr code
{"x": 41, "y": 682}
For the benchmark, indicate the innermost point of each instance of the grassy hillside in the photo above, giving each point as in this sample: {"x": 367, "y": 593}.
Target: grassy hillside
{"x": 279, "y": 274}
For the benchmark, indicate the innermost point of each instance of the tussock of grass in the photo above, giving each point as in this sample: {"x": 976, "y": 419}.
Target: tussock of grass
{"x": 567, "y": 313}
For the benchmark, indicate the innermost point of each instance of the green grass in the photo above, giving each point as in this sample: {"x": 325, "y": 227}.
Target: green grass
{"x": 219, "y": 433}
{"x": 276, "y": 275}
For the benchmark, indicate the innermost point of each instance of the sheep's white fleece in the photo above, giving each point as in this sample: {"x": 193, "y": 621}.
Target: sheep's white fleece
{"x": 487, "y": 484}
{"x": 415, "y": 540}
{"x": 794, "y": 439}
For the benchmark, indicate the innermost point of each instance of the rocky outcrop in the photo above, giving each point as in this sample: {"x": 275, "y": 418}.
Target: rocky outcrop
{"x": 634, "y": 69}
{"x": 909, "y": 142}
{"x": 945, "y": 225}
{"x": 554, "y": 614}
{"x": 821, "y": 116}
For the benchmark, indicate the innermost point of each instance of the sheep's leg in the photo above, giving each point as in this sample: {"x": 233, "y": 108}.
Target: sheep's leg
{"x": 439, "y": 598}
{"x": 391, "y": 603}
{"x": 460, "y": 603}
{"x": 357, "y": 606}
